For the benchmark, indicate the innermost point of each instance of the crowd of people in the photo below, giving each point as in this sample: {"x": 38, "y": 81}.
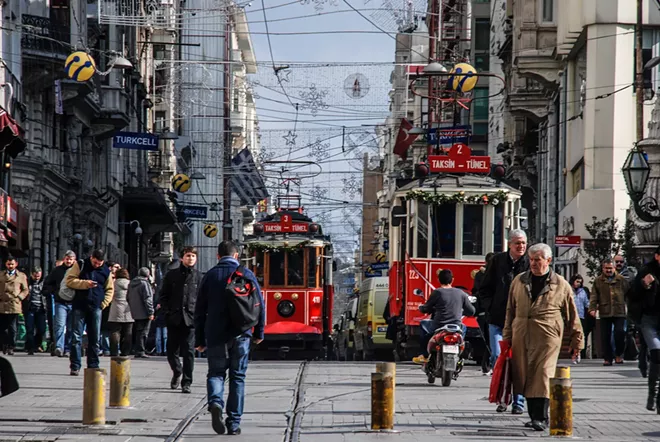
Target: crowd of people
{"x": 98, "y": 305}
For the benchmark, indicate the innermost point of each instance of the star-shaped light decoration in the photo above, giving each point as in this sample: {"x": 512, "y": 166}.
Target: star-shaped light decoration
{"x": 290, "y": 138}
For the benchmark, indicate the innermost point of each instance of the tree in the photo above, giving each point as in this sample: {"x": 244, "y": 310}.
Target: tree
{"x": 607, "y": 240}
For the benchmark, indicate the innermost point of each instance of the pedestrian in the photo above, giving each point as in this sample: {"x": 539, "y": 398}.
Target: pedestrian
{"x": 34, "y": 313}
{"x": 581, "y": 297}
{"x": 494, "y": 295}
{"x": 50, "y": 313}
{"x": 120, "y": 320}
{"x": 540, "y": 305}
{"x": 104, "y": 339}
{"x": 141, "y": 300}
{"x": 227, "y": 348}
{"x": 481, "y": 314}
{"x": 62, "y": 326}
{"x": 624, "y": 270}
{"x": 177, "y": 299}
{"x": 13, "y": 290}
{"x": 94, "y": 288}
{"x": 161, "y": 331}
{"x": 645, "y": 309}
{"x": 608, "y": 298}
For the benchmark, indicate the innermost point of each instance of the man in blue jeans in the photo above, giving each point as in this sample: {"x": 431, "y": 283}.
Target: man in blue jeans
{"x": 226, "y": 348}
{"x": 62, "y": 314}
{"x": 94, "y": 288}
{"x": 494, "y": 295}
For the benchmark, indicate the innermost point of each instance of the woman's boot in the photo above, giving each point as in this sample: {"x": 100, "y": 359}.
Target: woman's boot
{"x": 654, "y": 373}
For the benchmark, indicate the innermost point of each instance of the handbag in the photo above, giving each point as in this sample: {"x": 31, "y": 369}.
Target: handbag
{"x": 501, "y": 384}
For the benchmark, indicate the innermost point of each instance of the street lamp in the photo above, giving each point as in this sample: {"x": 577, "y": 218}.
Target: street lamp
{"x": 636, "y": 171}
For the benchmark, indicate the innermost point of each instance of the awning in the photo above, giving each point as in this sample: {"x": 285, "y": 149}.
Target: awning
{"x": 149, "y": 206}
{"x": 11, "y": 135}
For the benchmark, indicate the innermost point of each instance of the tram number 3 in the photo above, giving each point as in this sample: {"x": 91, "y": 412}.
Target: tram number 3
{"x": 412, "y": 274}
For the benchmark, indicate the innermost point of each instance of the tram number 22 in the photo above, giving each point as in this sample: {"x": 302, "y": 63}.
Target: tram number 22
{"x": 412, "y": 274}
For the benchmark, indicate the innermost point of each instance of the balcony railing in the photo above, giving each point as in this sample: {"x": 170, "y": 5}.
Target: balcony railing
{"x": 39, "y": 34}
{"x": 155, "y": 162}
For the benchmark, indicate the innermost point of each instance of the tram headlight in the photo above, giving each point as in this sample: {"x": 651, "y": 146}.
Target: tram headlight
{"x": 295, "y": 296}
{"x": 277, "y": 296}
{"x": 286, "y": 309}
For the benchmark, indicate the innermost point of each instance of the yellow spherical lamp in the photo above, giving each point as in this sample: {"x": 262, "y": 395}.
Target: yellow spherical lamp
{"x": 80, "y": 66}
{"x": 381, "y": 257}
{"x": 210, "y": 230}
{"x": 462, "y": 78}
{"x": 181, "y": 182}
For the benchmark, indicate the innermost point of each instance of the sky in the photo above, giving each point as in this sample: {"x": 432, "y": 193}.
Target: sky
{"x": 328, "y": 127}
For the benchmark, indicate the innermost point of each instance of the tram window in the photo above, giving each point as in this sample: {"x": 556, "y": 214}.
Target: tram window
{"x": 498, "y": 245}
{"x": 296, "y": 268}
{"x": 473, "y": 228}
{"x": 311, "y": 267}
{"x": 422, "y": 230}
{"x": 258, "y": 268}
{"x": 443, "y": 222}
{"x": 276, "y": 269}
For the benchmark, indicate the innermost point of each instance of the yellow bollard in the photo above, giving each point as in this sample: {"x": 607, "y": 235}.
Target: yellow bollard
{"x": 94, "y": 397}
{"x": 120, "y": 381}
{"x": 561, "y": 403}
{"x": 382, "y": 401}
{"x": 389, "y": 367}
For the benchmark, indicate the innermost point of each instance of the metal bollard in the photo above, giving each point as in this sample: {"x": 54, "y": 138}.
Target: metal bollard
{"x": 389, "y": 367}
{"x": 561, "y": 403}
{"x": 120, "y": 381}
{"x": 94, "y": 397}
{"x": 382, "y": 401}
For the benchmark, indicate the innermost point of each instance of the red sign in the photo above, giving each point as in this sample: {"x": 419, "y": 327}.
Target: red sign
{"x": 286, "y": 228}
{"x": 459, "y": 160}
{"x": 568, "y": 241}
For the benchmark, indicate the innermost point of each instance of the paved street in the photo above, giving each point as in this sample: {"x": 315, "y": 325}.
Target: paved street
{"x": 331, "y": 405}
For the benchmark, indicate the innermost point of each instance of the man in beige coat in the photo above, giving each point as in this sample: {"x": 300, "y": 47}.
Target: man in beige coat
{"x": 540, "y": 302}
{"x": 13, "y": 290}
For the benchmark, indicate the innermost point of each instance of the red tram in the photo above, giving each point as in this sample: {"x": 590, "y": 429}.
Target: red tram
{"x": 448, "y": 222}
{"x": 292, "y": 260}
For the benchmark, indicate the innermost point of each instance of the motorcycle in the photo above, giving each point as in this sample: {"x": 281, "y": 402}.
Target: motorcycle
{"x": 445, "y": 355}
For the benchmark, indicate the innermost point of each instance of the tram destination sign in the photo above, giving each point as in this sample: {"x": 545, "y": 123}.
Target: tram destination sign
{"x": 286, "y": 227}
{"x": 459, "y": 160}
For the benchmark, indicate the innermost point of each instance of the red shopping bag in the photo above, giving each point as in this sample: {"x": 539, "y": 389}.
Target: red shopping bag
{"x": 501, "y": 383}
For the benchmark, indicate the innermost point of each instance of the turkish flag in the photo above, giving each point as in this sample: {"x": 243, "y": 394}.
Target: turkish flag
{"x": 403, "y": 139}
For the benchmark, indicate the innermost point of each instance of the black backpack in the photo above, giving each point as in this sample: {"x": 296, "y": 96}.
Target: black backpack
{"x": 244, "y": 301}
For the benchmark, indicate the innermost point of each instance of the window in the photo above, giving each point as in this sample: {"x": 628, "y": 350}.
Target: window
{"x": 258, "y": 268}
{"x": 422, "y": 230}
{"x": 548, "y": 12}
{"x": 480, "y": 129}
{"x": 311, "y": 268}
{"x": 159, "y": 123}
{"x": 276, "y": 269}
{"x": 482, "y": 34}
{"x": 296, "y": 268}
{"x": 577, "y": 177}
{"x": 498, "y": 245}
{"x": 473, "y": 229}
{"x": 380, "y": 300}
{"x": 480, "y": 104}
{"x": 159, "y": 52}
{"x": 444, "y": 231}
{"x": 482, "y": 62}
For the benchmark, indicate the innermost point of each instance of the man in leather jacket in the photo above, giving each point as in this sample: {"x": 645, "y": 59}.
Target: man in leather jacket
{"x": 178, "y": 297}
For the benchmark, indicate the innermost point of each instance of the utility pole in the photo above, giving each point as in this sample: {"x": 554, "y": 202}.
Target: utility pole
{"x": 227, "y": 136}
{"x": 639, "y": 71}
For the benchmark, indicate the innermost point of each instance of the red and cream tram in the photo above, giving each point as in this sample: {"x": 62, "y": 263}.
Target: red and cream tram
{"x": 449, "y": 222}
{"x": 292, "y": 260}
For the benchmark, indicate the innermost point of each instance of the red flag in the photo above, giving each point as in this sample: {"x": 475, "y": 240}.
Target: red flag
{"x": 403, "y": 139}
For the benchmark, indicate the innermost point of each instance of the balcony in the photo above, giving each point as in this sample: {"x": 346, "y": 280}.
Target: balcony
{"x": 155, "y": 164}
{"x": 40, "y": 38}
{"x": 114, "y": 114}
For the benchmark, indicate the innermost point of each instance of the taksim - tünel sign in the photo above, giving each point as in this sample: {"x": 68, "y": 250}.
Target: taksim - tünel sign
{"x": 135, "y": 140}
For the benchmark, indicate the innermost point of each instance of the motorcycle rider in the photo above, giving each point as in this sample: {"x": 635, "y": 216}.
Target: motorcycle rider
{"x": 448, "y": 305}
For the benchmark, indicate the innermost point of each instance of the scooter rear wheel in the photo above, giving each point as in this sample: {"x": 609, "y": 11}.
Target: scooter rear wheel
{"x": 430, "y": 378}
{"x": 446, "y": 378}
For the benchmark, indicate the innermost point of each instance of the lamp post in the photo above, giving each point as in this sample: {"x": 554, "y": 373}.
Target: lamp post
{"x": 636, "y": 171}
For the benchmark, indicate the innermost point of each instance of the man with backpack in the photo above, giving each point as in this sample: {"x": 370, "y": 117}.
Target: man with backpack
{"x": 230, "y": 297}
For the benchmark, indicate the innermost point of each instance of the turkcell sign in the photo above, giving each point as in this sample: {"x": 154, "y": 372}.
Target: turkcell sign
{"x": 449, "y": 135}
{"x": 134, "y": 140}
{"x": 195, "y": 211}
